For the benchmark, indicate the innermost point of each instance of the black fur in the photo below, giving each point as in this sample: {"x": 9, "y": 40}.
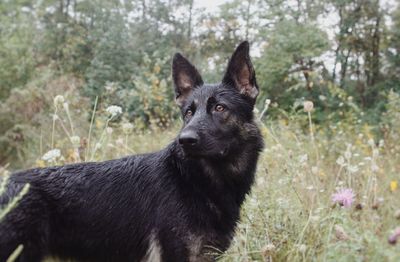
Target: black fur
{"x": 182, "y": 202}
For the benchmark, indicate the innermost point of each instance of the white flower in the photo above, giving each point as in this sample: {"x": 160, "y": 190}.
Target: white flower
{"x": 381, "y": 143}
{"x": 76, "y": 141}
{"x": 58, "y": 100}
{"x": 110, "y": 86}
{"x": 52, "y": 155}
{"x": 268, "y": 249}
{"x": 371, "y": 142}
{"x": 322, "y": 98}
{"x": 127, "y": 128}
{"x": 302, "y": 248}
{"x": 303, "y": 158}
{"x": 347, "y": 154}
{"x": 375, "y": 153}
{"x": 114, "y": 110}
{"x": 340, "y": 161}
{"x": 119, "y": 141}
{"x": 352, "y": 169}
{"x": 308, "y": 106}
{"x": 374, "y": 167}
{"x": 109, "y": 130}
{"x": 267, "y": 102}
{"x": 314, "y": 170}
{"x": 66, "y": 106}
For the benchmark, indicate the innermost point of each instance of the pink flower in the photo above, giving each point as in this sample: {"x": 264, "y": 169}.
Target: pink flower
{"x": 344, "y": 197}
{"x": 396, "y": 235}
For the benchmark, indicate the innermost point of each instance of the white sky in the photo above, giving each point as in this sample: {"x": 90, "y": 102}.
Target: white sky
{"x": 327, "y": 23}
{"x": 210, "y": 5}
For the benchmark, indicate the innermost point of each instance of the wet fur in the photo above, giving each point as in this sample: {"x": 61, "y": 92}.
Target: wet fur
{"x": 166, "y": 205}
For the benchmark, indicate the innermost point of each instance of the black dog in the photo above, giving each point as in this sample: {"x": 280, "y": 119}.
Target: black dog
{"x": 179, "y": 204}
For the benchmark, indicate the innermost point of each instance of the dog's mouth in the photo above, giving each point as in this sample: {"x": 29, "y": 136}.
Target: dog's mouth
{"x": 196, "y": 152}
{"x": 192, "y": 151}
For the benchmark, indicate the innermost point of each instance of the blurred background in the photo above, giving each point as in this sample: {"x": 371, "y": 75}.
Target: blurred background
{"x": 342, "y": 55}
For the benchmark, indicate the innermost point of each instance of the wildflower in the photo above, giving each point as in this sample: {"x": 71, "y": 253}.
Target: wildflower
{"x": 397, "y": 214}
{"x": 267, "y": 102}
{"x": 340, "y": 233}
{"x": 114, "y": 110}
{"x": 109, "y": 130}
{"x": 120, "y": 141}
{"x": 268, "y": 250}
{"x": 58, "y": 100}
{"x": 371, "y": 142}
{"x": 314, "y": 170}
{"x": 52, "y": 155}
{"x": 393, "y": 185}
{"x": 374, "y": 167}
{"x": 322, "y": 98}
{"x": 66, "y": 106}
{"x": 110, "y": 86}
{"x": 352, "y": 169}
{"x": 396, "y": 235}
{"x": 76, "y": 141}
{"x": 127, "y": 128}
{"x": 347, "y": 154}
{"x": 340, "y": 161}
{"x": 303, "y": 159}
{"x": 344, "y": 197}
{"x": 308, "y": 106}
{"x": 375, "y": 153}
{"x": 302, "y": 248}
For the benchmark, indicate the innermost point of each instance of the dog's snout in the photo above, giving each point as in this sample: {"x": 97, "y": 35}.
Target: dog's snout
{"x": 188, "y": 138}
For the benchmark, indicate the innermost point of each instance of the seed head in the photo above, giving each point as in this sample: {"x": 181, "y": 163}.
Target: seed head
{"x": 308, "y": 106}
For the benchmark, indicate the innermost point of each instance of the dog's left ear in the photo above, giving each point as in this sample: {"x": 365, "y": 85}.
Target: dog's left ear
{"x": 240, "y": 72}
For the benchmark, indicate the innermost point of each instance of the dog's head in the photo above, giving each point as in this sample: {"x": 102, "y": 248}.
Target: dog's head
{"x": 218, "y": 118}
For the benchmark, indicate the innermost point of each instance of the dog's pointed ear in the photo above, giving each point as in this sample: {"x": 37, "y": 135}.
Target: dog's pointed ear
{"x": 186, "y": 78}
{"x": 240, "y": 72}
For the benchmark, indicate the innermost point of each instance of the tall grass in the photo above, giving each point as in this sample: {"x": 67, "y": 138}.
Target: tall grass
{"x": 290, "y": 214}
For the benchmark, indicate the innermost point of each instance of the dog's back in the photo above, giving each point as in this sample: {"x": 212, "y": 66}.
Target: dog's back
{"x": 179, "y": 204}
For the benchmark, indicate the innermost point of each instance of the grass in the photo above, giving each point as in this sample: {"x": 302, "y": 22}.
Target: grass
{"x": 289, "y": 215}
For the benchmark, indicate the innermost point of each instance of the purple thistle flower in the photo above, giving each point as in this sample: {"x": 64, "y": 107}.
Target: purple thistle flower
{"x": 396, "y": 235}
{"x": 344, "y": 197}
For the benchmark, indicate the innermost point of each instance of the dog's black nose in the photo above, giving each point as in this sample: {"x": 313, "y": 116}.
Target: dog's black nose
{"x": 188, "y": 138}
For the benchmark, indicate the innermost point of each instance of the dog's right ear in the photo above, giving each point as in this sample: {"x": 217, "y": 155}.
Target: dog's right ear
{"x": 186, "y": 78}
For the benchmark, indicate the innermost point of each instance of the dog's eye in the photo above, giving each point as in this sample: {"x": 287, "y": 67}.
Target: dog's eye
{"x": 219, "y": 108}
{"x": 189, "y": 112}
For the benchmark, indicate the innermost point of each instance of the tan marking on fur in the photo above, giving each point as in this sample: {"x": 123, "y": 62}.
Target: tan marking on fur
{"x": 154, "y": 252}
{"x": 197, "y": 250}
